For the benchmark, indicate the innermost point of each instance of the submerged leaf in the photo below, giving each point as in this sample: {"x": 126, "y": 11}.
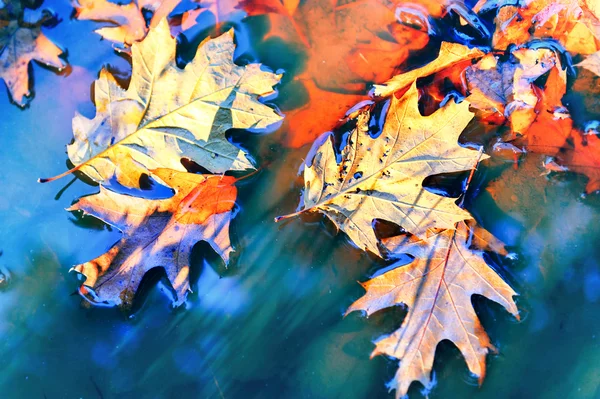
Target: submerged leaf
{"x": 436, "y": 287}
{"x": 168, "y": 113}
{"x": 356, "y": 42}
{"x": 22, "y": 41}
{"x": 381, "y": 178}
{"x": 157, "y": 233}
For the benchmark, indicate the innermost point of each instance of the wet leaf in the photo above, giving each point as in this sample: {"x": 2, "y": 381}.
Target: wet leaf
{"x": 436, "y": 287}
{"x": 381, "y": 178}
{"x": 168, "y": 113}
{"x": 127, "y": 24}
{"x": 553, "y": 134}
{"x": 449, "y": 55}
{"x": 356, "y": 42}
{"x": 573, "y": 23}
{"x": 507, "y": 88}
{"x": 157, "y": 233}
{"x": 592, "y": 63}
{"x": 22, "y": 41}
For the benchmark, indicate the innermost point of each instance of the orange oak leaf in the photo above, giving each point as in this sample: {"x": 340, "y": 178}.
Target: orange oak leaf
{"x": 323, "y": 111}
{"x": 436, "y": 287}
{"x": 157, "y": 233}
{"x": 358, "y": 42}
{"x": 574, "y": 23}
{"x": 553, "y": 134}
{"x": 22, "y": 41}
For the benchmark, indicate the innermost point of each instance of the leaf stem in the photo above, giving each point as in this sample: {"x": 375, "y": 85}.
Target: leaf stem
{"x": 68, "y": 172}
{"x": 291, "y": 215}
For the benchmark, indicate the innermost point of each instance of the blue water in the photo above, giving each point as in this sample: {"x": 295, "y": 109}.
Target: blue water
{"x": 271, "y": 325}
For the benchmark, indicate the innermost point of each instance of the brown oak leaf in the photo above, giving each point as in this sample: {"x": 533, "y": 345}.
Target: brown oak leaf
{"x": 22, "y": 41}
{"x": 157, "y": 233}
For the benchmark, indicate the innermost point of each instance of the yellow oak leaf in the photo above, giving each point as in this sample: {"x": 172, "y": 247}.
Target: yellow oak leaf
{"x": 436, "y": 287}
{"x": 169, "y": 113}
{"x": 381, "y": 178}
{"x": 157, "y": 233}
{"x": 127, "y": 22}
{"x": 450, "y": 54}
{"x": 22, "y": 41}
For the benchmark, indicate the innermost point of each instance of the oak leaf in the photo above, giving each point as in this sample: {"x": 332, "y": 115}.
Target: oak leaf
{"x": 506, "y": 88}
{"x": 22, "y": 41}
{"x": 554, "y": 135}
{"x": 358, "y": 42}
{"x": 127, "y": 21}
{"x": 449, "y": 55}
{"x": 591, "y": 63}
{"x": 381, "y": 178}
{"x": 574, "y": 23}
{"x": 157, "y": 233}
{"x": 436, "y": 288}
{"x": 168, "y": 113}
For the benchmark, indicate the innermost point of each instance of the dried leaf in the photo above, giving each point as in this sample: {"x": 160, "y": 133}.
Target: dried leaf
{"x": 450, "y": 54}
{"x": 381, "y": 178}
{"x": 127, "y": 22}
{"x": 507, "y": 88}
{"x": 22, "y": 41}
{"x": 168, "y": 113}
{"x": 574, "y": 23}
{"x": 157, "y": 233}
{"x": 436, "y": 287}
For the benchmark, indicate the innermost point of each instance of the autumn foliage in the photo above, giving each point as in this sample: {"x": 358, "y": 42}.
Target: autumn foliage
{"x": 392, "y": 90}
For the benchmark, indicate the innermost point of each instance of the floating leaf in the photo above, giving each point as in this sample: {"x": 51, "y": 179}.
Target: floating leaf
{"x": 157, "y": 233}
{"x": 168, "y": 113}
{"x": 381, "y": 178}
{"x": 436, "y": 287}
{"x": 22, "y": 41}
{"x": 506, "y": 87}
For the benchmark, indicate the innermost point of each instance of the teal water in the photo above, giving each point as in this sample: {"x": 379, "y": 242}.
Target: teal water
{"x": 271, "y": 325}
